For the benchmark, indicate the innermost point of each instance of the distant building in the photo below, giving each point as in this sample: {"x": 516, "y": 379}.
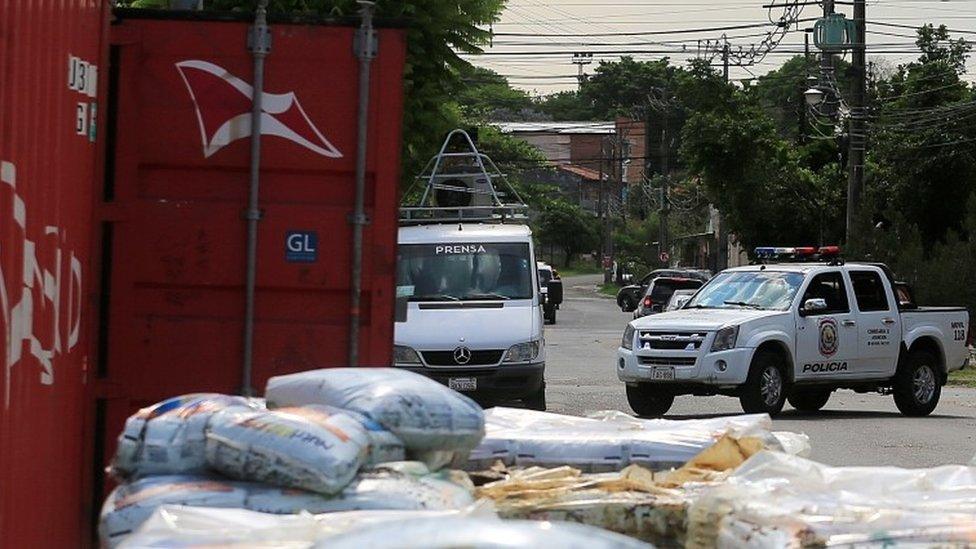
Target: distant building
{"x": 574, "y": 148}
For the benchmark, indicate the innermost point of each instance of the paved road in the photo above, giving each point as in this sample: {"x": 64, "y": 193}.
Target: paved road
{"x": 853, "y": 429}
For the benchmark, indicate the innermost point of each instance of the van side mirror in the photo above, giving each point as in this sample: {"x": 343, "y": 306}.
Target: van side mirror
{"x": 813, "y": 306}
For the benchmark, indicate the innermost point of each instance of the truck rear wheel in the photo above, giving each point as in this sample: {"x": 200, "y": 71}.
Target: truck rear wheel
{"x": 549, "y": 313}
{"x": 917, "y": 388}
{"x": 765, "y": 388}
{"x": 809, "y": 400}
{"x": 649, "y": 400}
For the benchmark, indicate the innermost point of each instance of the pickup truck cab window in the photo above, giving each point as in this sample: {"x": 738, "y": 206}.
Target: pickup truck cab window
{"x": 831, "y": 288}
{"x": 869, "y": 291}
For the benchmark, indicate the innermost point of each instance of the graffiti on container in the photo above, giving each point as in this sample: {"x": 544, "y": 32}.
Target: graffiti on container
{"x": 40, "y": 298}
{"x": 223, "y": 104}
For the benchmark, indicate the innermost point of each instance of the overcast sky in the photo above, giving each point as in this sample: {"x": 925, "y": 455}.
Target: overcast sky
{"x": 535, "y": 22}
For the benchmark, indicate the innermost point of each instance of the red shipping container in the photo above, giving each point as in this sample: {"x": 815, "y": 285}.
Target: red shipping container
{"x": 50, "y": 62}
{"x": 172, "y": 251}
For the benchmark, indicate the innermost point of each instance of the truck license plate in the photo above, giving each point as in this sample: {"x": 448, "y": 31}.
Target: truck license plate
{"x": 663, "y": 374}
{"x": 465, "y": 383}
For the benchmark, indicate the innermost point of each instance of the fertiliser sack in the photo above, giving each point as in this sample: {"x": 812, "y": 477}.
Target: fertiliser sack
{"x": 129, "y": 505}
{"x": 384, "y": 446}
{"x": 478, "y": 533}
{"x": 424, "y": 414}
{"x": 378, "y": 489}
{"x": 307, "y": 448}
{"x": 170, "y": 436}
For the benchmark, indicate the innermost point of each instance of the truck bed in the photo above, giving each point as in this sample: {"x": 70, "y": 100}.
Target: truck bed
{"x": 950, "y": 325}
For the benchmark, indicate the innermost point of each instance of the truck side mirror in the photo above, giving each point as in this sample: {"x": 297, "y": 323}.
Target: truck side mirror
{"x": 813, "y": 306}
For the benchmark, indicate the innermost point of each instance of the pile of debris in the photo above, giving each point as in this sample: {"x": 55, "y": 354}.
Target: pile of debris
{"x": 385, "y": 458}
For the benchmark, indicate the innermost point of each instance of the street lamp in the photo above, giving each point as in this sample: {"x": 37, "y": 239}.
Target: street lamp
{"x": 813, "y": 96}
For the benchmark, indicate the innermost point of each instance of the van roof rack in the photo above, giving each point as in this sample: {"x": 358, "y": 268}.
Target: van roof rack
{"x": 463, "y": 185}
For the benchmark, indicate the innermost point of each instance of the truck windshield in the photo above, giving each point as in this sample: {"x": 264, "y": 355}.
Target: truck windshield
{"x": 465, "y": 271}
{"x": 753, "y": 289}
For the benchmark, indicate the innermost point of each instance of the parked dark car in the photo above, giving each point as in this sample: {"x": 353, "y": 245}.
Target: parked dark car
{"x": 659, "y": 292}
{"x": 629, "y": 297}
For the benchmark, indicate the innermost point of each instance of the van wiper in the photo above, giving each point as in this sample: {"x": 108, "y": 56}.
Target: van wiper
{"x": 696, "y": 306}
{"x": 487, "y": 295}
{"x": 434, "y": 297}
{"x": 756, "y": 306}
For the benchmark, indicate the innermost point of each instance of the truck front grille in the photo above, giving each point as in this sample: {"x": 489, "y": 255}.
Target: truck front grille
{"x": 671, "y": 340}
{"x": 666, "y": 360}
{"x": 478, "y": 358}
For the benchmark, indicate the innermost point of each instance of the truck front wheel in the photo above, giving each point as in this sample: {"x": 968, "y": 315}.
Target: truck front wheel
{"x": 917, "y": 388}
{"x": 649, "y": 400}
{"x": 809, "y": 400}
{"x": 765, "y": 388}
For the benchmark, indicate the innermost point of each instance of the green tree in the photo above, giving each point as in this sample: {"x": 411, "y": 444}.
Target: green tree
{"x": 565, "y": 106}
{"x": 923, "y": 154}
{"x": 568, "y": 228}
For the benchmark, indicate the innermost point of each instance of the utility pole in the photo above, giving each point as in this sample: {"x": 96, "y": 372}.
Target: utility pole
{"x": 580, "y": 59}
{"x": 826, "y": 58}
{"x": 665, "y": 180}
{"x": 725, "y": 61}
{"x": 801, "y": 104}
{"x": 599, "y": 206}
{"x": 856, "y": 131}
{"x": 722, "y": 257}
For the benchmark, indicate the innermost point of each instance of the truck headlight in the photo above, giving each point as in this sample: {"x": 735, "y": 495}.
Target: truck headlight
{"x": 725, "y": 338}
{"x": 523, "y": 352}
{"x": 628, "y": 340}
{"x": 405, "y": 355}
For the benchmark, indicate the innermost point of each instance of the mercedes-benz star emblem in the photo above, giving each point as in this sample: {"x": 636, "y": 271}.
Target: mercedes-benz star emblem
{"x": 462, "y": 355}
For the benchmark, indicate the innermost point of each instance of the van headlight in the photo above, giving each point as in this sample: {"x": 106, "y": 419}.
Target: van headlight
{"x": 405, "y": 355}
{"x": 628, "y": 340}
{"x": 725, "y": 338}
{"x": 523, "y": 352}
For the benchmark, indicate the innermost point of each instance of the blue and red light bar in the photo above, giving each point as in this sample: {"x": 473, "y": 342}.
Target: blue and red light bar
{"x": 800, "y": 253}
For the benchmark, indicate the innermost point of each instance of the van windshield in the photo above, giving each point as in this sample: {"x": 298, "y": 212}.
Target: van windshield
{"x": 464, "y": 271}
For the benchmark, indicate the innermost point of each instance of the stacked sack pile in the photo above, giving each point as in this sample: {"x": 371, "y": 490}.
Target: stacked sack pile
{"x": 323, "y": 441}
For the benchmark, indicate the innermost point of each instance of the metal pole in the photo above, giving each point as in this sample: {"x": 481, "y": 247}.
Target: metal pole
{"x": 365, "y": 51}
{"x": 259, "y": 40}
{"x": 722, "y": 257}
{"x": 856, "y": 134}
{"x": 725, "y": 61}
{"x": 827, "y": 59}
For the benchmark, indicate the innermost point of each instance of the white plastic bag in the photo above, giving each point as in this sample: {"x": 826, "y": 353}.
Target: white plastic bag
{"x": 609, "y": 441}
{"x": 170, "y": 437}
{"x": 307, "y": 448}
{"x": 775, "y": 500}
{"x": 129, "y": 505}
{"x": 479, "y": 533}
{"x": 180, "y": 526}
{"x": 424, "y": 414}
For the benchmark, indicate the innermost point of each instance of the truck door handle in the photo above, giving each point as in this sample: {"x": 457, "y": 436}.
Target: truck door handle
{"x": 849, "y": 323}
{"x": 888, "y": 320}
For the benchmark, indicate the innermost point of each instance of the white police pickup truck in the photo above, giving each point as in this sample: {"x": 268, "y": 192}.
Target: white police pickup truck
{"x": 794, "y": 331}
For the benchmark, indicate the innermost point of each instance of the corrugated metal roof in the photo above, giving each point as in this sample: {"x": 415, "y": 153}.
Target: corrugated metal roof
{"x": 583, "y": 127}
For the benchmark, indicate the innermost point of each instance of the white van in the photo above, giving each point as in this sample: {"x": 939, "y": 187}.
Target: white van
{"x": 474, "y": 309}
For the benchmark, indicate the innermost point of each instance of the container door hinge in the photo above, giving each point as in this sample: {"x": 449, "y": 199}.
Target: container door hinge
{"x": 259, "y": 39}
{"x": 256, "y": 215}
{"x": 359, "y": 219}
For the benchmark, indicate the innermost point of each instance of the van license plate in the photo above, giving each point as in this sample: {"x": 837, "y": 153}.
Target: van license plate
{"x": 663, "y": 374}
{"x": 464, "y": 383}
